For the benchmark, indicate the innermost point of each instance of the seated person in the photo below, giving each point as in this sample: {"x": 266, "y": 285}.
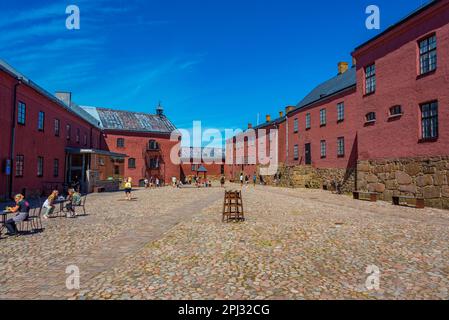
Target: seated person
{"x": 74, "y": 199}
{"x": 22, "y": 210}
{"x": 49, "y": 206}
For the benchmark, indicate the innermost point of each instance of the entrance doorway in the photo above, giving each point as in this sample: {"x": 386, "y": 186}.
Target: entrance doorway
{"x": 308, "y": 154}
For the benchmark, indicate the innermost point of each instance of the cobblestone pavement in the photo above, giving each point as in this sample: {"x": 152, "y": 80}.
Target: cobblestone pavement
{"x": 34, "y": 266}
{"x": 295, "y": 244}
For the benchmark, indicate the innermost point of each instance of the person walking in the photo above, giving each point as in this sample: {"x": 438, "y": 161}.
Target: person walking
{"x": 146, "y": 183}
{"x": 128, "y": 188}
{"x": 254, "y": 179}
{"x": 222, "y": 181}
{"x": 241, "y": 179}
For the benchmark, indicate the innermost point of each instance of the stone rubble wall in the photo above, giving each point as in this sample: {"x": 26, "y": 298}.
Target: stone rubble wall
{"x": 425, "y": 177}
{"x": 313, "y": 178}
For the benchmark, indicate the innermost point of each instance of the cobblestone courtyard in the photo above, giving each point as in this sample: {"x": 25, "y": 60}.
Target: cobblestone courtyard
{"x": 171, "y": 244}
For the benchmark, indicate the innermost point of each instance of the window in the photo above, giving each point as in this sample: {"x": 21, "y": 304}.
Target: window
{"x": 120, "y": 143}
{"x": 396, "y": 111}
{"x": 341, "y": 147}
{"x": 340, "y": 112}
{"x": 429, "y": 120}
{"x": 296, "y": 152}
{"x": 41, "y": 121}
{"x": 78, "y": 135}
{"x": 85, "y": 139}
{"x": 40, "y": 166}
{"x": 20, "y": 164}
{"x": 193, "y": 167}
{"x": 56, "y": 168}
{"x": 308, "y": 121}
{"x": 21, "y": 113}
{"x": 370, "y": 117}
{"x": 370, "y": 79}
{"x": 131, "y": 163}
{"x": 428, "y": 54}
{"x": 57, "y": 127}
{"x": 68, "y": 131}
{"x": 323, "y": 148}
{"x": 323, "y": 117}
{"x": 295, "y": 126}
{"x": 154, "y": 163}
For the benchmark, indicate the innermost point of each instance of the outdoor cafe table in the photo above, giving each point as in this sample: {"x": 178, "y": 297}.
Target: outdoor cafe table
{"x": 61, "y": 203}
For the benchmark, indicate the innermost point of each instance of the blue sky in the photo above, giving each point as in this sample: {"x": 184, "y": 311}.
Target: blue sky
{"x": 218, "y": 61}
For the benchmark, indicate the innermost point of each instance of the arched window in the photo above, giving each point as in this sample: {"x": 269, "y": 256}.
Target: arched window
{"x": 120, "y": 143}
{"x": 131, "y": 163}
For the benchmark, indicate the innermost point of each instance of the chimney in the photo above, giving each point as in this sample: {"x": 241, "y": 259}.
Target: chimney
{"x": 159, "y": 110}
{"x": 250, "y": 126}
{"x": 268, "y": 118}
{"x": 342, "y": 67}
{"x": 289, "y": 109}
{"x": 281, "y": 114}
{"x": 65, "y": 97}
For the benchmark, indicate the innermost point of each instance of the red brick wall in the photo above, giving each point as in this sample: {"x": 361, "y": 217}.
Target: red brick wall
{"x": 396, "y": 57}
{"x": 135, "y": 147}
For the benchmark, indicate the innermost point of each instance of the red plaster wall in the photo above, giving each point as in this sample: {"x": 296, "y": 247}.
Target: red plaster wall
{"x": 135, "y": 147}
{"x": 396, "y": 57}
{"x": 6, "y": 87}
{"x": 330, "y": 133}
{"x": 33, "y": 143}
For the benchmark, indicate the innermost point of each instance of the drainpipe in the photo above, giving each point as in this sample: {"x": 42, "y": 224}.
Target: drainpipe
{"x": 286, "y": 140}
{"x": 13, "y": 136}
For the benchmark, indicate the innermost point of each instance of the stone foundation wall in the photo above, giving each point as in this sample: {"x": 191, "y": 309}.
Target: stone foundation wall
{"x": 313, "y": 178}
{"x": 418, "y": 177}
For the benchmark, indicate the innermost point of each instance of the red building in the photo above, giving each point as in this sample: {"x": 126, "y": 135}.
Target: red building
{"x": 211, "y": 159}
{"x": 48, "y": 142}
{"x": 379, "y": 125}
{"x": 42, "y": 137}
{"x": 244, "y": 154}
{"x": 144, "y": 138}
{"x": 402, "y": 87}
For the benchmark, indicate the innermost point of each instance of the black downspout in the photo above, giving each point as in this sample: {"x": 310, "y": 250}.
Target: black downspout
{"x": 13, "y": 137}
{"x": 91, "y": 136}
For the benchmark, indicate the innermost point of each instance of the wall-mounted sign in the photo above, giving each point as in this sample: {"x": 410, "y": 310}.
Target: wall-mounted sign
{"x": 8, "y": 167}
